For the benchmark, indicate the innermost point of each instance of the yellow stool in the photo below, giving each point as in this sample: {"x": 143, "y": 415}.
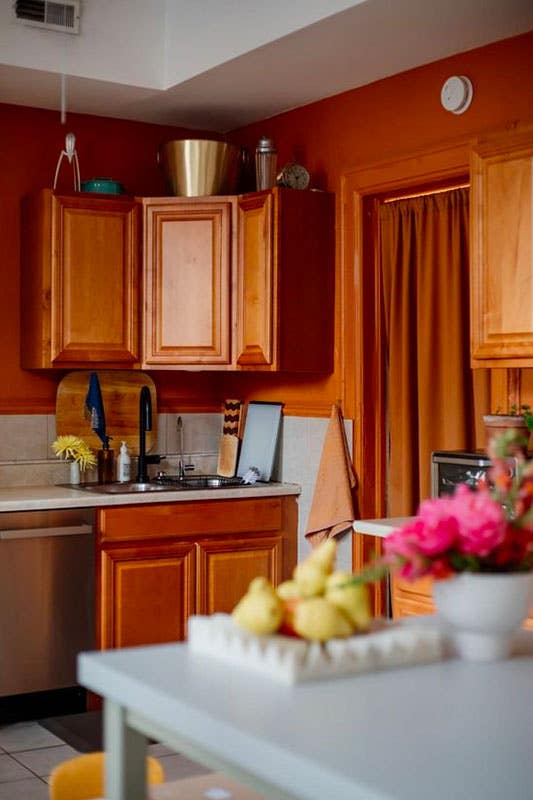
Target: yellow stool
{"x": 82, "y": 777}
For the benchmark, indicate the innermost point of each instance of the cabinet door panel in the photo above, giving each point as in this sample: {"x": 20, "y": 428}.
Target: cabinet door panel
{"x": 147, "y": 594}
{"x": 80, "y": 281}
{"x": 226, "y": 567}
{"x": 410, "y": 598}
{"x": 256, "y": 281}
{"x": 502, "y": 252}
{"x": 187, "y": 283}
{"x": 94, "y": 281}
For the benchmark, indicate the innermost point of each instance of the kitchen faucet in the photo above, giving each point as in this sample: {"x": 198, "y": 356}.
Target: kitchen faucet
{"x": 182, "y": 466}
{"x": 145, "y": 424}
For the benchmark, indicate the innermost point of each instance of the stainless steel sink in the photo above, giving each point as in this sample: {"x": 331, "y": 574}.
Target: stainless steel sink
{"x": 123, "y": 488}
{"x": 208, "y": 482}
{"x": 167, "y": 483}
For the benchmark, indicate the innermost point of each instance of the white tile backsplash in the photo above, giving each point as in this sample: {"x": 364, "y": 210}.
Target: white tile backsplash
{"x": 201, "y": 433}
{"x": 23, "y": 437}
{"x": 26, "y": 457}
{"x": 302, "y": 439}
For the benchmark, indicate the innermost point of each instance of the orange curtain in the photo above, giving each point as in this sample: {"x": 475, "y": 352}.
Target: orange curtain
{"x": 433, "y": 395}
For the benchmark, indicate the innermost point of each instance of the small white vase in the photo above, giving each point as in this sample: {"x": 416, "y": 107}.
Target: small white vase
{"x": 75, "y": 476}
{"x": 484, "y": 611}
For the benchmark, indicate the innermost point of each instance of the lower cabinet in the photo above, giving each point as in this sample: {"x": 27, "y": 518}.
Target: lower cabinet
{"x": 225, "y": 567}
{"x": 406, "y": 598}
{"x": 157, "y": 564}
{"x": 410, "y": 598}
{"x": 147, "y": 593}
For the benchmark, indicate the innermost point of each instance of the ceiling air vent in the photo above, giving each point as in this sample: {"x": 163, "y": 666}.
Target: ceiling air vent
{"x": 63, "y": 16}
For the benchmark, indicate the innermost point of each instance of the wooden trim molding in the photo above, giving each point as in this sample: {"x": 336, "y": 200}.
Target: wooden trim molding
{"x": 364, "y": 390}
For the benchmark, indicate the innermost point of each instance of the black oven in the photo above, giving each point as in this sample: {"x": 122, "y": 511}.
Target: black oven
{"x": 450, "y": 467}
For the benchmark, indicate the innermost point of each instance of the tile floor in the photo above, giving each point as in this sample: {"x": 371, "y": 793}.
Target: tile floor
{"x": 28, "y": 753}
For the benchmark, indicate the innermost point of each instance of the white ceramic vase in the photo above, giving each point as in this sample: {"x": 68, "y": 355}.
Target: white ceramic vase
{"x": 484, "y": 610}
{"x": 75, "y": 476}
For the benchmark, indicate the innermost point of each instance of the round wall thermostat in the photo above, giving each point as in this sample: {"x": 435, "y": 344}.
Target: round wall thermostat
{"x": 456, "y": 94}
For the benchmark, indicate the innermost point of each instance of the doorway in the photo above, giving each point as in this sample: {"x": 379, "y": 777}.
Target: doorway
{"x": 432, "y": 396}
{"x": 363, "y": 344}
{"x": 364, "y": 341}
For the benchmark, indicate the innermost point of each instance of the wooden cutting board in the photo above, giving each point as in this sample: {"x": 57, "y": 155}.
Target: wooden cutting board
{"x": 120, "y": 394}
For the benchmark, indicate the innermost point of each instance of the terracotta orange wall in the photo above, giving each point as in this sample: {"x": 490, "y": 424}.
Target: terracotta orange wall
{"x": 402, "y": 114}
{"x": 390, "y": 118}
{"x": 393, "y": 119}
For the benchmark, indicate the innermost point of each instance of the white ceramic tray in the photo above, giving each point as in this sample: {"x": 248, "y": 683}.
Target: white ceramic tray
{"x": 292, "y": 660}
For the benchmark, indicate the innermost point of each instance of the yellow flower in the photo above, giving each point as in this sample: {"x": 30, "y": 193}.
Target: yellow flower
{"x": 72, "y": 448}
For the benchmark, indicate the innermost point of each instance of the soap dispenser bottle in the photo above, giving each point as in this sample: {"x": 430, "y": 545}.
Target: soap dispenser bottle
{"x": 123, "y": 464}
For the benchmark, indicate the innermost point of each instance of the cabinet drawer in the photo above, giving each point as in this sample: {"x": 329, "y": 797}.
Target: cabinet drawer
{"x": 162, "y": 520}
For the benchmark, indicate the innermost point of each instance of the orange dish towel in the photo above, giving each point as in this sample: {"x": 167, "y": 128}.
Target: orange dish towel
{"x": 332, "y": 509}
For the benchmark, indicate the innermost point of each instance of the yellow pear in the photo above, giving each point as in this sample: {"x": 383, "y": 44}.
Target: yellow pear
{"x": 352, "y": 598}
{"x": 260, "y": 611}
{"x": 288, "y": 590}
{"x": 316, "y": 618}
{"x": 310, "y": 578}
{"x": 260, "y": 585}
{"x": 325, "y": 555}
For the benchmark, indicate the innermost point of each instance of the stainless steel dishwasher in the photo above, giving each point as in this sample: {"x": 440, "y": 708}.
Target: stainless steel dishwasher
{"x": 46, "y": 598}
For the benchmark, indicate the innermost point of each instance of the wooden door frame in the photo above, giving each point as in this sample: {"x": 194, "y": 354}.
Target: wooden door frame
{"x": 363, "y": 384}
{"x": 363, "y": 368}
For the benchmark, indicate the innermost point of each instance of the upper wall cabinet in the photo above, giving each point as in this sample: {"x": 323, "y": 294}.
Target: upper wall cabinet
{"x": 285, "y": 281}
{"x": 502, "y": 252}
{"x": 187, "y": 282}
{"x": 228, "y": 283}
{"x": 79, "y": 281}
{"x": 240, "y": 283}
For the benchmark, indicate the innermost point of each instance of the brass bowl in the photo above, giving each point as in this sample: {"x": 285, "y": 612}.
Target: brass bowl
{"x": 198, "y": 167}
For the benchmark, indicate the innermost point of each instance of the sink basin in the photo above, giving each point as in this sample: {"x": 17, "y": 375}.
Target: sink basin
{"x": 123, "y": 488}
{"x": 209, "y": 482}
{"x": 168, "y": 484}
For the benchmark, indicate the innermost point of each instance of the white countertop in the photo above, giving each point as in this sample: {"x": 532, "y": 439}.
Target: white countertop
{"x": 39, "y": 498}
{"x": 379, "y": 527}
{"x": 453, "y": 730}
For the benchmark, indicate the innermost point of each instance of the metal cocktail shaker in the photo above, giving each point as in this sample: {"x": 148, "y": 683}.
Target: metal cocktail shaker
{"x": 265, "y": 164}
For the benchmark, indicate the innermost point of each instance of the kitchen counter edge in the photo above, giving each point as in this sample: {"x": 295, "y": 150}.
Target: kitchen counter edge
{"x": 379, "y": 527}
{"x": 39, "y": 498}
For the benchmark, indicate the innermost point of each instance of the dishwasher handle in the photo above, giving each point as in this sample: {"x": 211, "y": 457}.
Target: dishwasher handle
{"x": 34, "y": 533}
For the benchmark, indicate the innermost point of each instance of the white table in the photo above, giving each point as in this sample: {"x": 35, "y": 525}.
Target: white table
{"x": 447, "y": 731}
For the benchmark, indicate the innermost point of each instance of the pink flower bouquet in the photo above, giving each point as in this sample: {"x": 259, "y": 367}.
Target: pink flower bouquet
{"x": 489, "y": 529}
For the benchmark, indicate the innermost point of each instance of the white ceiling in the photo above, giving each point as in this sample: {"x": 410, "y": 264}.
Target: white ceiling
{"x": 220, "y": 64}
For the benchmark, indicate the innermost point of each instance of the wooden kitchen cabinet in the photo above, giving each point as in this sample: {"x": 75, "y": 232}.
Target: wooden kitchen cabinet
{"x": 228, "y": 283}
{"x": 187, "y": 278}
{"x": 406, "y": 598}
{"x": 411, "y": 598}
{"x": 240, "y": 283}
{"x": 502, "y": 251}
{"x": 156, "y": 564}
{"x": 148, "y": 589}
{"x": 79, "y": 281}
{"x": 226, "y": 567}
{"x": 285, "y": 281}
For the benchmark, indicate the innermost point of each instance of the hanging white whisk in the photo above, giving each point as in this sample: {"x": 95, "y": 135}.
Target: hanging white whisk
{"x": 70, "y": 153}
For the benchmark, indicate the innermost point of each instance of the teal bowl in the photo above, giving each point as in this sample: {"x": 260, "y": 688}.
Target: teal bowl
{"x": 102, "y": 186}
